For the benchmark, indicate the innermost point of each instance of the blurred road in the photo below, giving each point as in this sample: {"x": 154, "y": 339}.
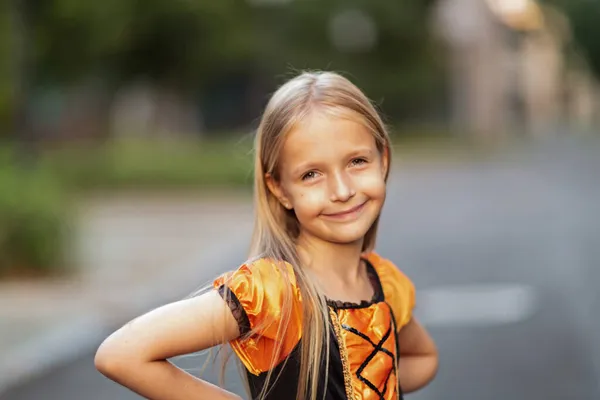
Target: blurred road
{"x": 505, "y": 255}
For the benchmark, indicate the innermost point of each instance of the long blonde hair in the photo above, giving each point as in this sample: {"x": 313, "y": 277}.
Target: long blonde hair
{"x": 276, "y": 228}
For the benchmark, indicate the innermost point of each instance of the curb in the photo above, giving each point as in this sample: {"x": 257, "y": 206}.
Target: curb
{"x": 75, "y": 337}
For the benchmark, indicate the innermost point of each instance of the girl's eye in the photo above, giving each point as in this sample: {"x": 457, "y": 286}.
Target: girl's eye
{"x": 309, "y": 175}
{"x": 358, "y": 161}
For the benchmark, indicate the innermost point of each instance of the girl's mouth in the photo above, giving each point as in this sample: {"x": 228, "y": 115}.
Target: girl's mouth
{"x": 347, "y": 213}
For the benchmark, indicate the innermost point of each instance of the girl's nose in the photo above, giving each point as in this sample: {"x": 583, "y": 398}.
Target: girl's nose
{"x": 341, "y": 187}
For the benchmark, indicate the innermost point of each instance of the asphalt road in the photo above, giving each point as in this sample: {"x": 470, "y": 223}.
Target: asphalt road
{"x": 506, "y": 259}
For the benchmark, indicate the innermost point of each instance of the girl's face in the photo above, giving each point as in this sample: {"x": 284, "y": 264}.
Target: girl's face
{"x": 333, "y": 176}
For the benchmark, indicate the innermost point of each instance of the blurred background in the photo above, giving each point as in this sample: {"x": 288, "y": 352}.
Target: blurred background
{"x": 126, "y": 168}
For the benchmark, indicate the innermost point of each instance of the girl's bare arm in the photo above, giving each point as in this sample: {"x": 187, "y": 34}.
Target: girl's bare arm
{"x": 418, "y": 357}
{"x": 136, "y": 355}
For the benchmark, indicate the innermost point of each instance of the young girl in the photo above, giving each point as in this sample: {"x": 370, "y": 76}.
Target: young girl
{"x": 314, "y": 313}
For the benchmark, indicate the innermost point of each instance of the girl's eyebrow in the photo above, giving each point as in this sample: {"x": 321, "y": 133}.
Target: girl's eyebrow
{"x": 304, "y": 167}
{"x": 307, "y": 166}
{"x": 361, "y": 151}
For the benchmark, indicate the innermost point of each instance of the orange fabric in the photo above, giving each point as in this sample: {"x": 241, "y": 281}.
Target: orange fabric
{"x": 398, "y": 289}
{"x": 260, "y": 289}
{"x": 367, "y": 334}
{"x": 366, "y": 362}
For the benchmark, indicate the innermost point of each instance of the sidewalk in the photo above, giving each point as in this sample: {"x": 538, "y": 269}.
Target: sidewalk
{"x": 135, "y": 253}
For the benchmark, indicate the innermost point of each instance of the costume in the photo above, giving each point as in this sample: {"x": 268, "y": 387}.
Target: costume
{"x": 363, "y": 350}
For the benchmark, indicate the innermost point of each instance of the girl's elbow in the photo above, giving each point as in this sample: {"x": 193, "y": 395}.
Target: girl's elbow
{"x": 434, "y": 366}
{"x": 107, "y": 361}
{"x": 112, "y": 359}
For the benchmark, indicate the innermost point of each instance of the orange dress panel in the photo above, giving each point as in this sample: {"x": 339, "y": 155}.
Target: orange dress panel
{"x": 369, "y": 340}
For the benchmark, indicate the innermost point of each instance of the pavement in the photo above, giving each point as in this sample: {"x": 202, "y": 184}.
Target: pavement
{"x": 134, "y": 252}
{"x": 505, "y": 255}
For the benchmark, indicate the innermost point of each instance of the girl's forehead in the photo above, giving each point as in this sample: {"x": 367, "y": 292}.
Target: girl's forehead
{"x": 323, "y": 138}
{"x": 320, "y": 129}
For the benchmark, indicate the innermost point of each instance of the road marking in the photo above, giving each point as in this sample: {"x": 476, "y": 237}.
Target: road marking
{"x": 476, "y": 305}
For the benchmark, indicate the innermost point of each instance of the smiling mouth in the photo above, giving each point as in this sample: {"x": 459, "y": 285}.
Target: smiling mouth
{"x": 347, "y": 212}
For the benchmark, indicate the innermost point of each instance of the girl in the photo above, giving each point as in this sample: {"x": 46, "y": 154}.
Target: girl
{"x": 314, "y": 313}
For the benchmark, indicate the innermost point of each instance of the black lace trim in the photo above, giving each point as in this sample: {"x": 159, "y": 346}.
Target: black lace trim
{"x": 377, "y": 295}
{"x": 236, "y": 309}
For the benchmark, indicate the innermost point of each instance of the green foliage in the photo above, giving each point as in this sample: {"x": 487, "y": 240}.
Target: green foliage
{"x": 5, "y": 76}
{"x": 34, "y": 208}
{"x": 399, "y": 71}
{"x": 193, "y": 44}
{"x": 159, "y": 164}
{"x": 583, "y": 17}
{"x": 34, "y": 228}
{"x": 181, "y": 41}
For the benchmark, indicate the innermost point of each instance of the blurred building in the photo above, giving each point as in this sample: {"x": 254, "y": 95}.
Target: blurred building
{"x": 507, "y": 67}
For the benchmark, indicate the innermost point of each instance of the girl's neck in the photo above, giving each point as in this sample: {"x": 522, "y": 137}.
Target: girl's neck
{"x": 331, "y": 260}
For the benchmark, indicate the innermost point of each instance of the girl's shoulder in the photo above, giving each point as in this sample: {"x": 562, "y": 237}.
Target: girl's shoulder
{"x": 265, "y": 301}
{"x": 260, "y": 290}
{"x": 264, "y": 272}
{"x": 398, "y": 289}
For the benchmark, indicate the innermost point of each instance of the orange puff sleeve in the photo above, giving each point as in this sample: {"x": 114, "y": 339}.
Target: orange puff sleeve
{"x": 398, "y": 289}
{"x": 258, "y": 293}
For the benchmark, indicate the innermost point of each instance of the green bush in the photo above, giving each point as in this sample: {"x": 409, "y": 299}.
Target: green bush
{"x": 34, "y": 213}
{"x": 33, "y": 222}
{"x": 153, "y": 164}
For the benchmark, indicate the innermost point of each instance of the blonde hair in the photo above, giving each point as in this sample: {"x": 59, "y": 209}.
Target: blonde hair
{"x": 276, "y": 228}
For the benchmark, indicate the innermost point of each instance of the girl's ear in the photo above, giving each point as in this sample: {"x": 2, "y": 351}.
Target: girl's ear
{"x": 277, "y": 191}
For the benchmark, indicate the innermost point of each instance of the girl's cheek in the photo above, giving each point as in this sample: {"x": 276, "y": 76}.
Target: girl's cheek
{"x": 310, "y": 201}
{"x": 371, "y": 183}
{"x": 313, "y": 198}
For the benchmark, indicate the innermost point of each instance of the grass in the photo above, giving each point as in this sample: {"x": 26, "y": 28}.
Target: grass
{"x": 154, "y": 164}
{"x": 34, "y": 222}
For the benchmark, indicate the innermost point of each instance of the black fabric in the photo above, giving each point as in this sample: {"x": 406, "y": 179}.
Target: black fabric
{"x": 283, "y": 384}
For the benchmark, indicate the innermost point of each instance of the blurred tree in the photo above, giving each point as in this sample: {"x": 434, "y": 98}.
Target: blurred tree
{"x": 5, "y": 69}
{"x": 20, "y": 71}
{"x": 235, "y": 47}
{"x": 180, "y": 46}
{"x": 384, "y": 46}
{"x": 181, "y": 41}
{"x": 584, "y": 16}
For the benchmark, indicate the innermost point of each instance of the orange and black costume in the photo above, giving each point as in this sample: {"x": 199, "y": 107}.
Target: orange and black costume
{"x": 363, "y": 353}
